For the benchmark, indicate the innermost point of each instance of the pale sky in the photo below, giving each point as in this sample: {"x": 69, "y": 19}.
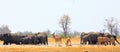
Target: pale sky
{"x": 40, "y": 15}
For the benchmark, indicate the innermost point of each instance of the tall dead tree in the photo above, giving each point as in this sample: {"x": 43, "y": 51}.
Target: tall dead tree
{"x": 112, "y": 26}
{"x": 65, "y": 23}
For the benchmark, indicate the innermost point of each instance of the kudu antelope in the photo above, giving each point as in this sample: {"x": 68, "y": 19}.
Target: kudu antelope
{"x": 58, "y": 39}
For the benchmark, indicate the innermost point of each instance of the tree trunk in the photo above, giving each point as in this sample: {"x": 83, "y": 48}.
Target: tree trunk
{"x": 65, "y": 33}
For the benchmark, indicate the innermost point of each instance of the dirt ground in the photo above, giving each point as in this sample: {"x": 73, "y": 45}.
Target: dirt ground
{"x": 76, "y": 47}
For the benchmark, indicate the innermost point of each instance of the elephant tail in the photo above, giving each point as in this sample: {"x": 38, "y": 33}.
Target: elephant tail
{"x": 117, "y": 41}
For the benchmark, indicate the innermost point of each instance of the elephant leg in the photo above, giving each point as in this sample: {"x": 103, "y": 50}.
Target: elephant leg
{"x": 105, "y": 43}
{"x": 47, "y": 43}
{"x": 10, "y": 43}
{"x": 5, "y": 43}
{"x": 44, "y": 43}
{"x": 85, "y": 43}
{"x": 18, "y": 43}
{"x": 113, "y": 43}
{"x": 89, "y": 42}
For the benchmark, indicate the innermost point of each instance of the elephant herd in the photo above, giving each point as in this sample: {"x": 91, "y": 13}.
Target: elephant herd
{"x": 42, "y": 38}
{"x": 38, "y": 38}
{"x": 98, "y": 38}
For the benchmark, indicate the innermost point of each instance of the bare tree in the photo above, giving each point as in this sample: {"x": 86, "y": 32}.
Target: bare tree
{"x": 4, "y": 29}
{"x": 112, "y": 26}
{"x": 116, "y": 30}
{"x": 65, "y": 23}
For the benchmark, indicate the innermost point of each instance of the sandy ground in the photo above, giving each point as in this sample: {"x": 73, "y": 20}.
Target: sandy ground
{"x": 76, "y": 47}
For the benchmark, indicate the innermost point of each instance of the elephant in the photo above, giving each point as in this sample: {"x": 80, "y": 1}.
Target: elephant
{"x": 35, "y": 40}
{"x": 9, "y": 38}
{"x": 42, "y": 38}
{"x": 29, "y": 40}
{"x": 100, "y": 38}
{"x": 107, "y": 39}
{"x": 112, "y": 41}
{"x": 5, "y": 38}
{"x": 91, "y": 38}
{"x": 112, "y": 38}
{"x": 84, "y": 38}
{"x": 39, "y": 38}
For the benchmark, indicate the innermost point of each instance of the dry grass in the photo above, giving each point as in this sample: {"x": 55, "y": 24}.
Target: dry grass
{"x": 52, "y": 48}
